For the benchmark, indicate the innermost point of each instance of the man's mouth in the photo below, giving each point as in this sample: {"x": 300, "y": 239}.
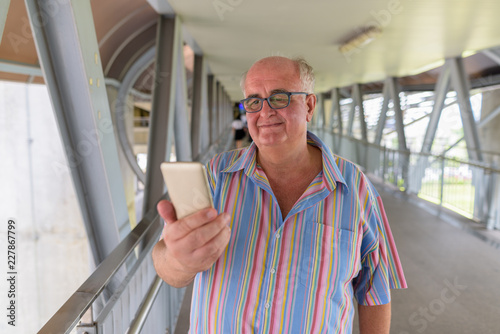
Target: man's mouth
{"x": 270, "y": 125}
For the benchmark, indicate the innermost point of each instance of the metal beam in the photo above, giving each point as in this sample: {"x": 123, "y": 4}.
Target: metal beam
{"x": 69, "y": 55}
{"x": 493, "y": 55}
{"x": 205, "y": 122}
{"x": 383, "y": 112}
{"x": 352, "y": 113}
{"x": 211, "y": 107}
{"x": 398, "y": 113}
{"x": 161, "y": 126}
{"x": 4, "y": 9}
{"x": 9, "y": 66}
{"x": 358, "y": 97}
{"x": 336, "y": 113}
{"x": 442, "y": 88}
{"x": 489, "y": 117}
{"x": 181, "y": 123}
{"x": 318, "y": 116}
{"x": 218, "y": 107}
{"x": 199, "y": 85}
{"x": 461, "y": 85}
{"x": 162, "y": 7}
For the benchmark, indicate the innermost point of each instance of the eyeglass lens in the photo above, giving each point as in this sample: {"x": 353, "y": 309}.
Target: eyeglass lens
{"x": 276, "y": 101}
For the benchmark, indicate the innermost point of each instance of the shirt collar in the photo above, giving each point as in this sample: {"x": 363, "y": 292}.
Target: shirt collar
{"x": 331, "y": 172}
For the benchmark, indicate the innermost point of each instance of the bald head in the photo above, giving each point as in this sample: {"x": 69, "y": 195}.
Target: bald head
{"x": 304, "y": 72}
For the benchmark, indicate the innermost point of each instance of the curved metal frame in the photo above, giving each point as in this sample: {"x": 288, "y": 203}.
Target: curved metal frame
{"x": 128, "y": 81}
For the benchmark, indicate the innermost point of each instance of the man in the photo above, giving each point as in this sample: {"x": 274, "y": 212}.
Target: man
{"x": 299, "y": 233}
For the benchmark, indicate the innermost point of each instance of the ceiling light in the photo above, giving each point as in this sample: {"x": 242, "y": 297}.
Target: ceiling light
{"x": 360, "y": 39}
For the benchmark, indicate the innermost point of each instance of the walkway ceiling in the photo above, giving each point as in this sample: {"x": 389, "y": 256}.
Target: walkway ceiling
{"x": 417, "y": 35}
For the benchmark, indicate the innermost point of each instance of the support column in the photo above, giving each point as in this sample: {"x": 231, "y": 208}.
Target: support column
{"x": 336, "y": 120}
{"x": 161, "y": 126}
{"x": 218, "y": 107}
{"x": 336, "y": 113}
{"x": 69, "y": 55}
{"x": 319, "y": 115}
{"x": 199, "y": 106}
{"x": 398, "y": 113}
{"x": 182, "y": 129}
{"x": 489, "y": 137}
{"x": 404, "y": 158}
{"x": 461, "y": 85}
{"x": 357, "y": 100}
{"x": 383, "y": 113}
{"x": 442, "y": 88}
{"x": 211, "y": 107}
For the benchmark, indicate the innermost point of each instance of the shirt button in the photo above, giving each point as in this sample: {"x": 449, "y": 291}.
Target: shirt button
{"x": 277, "y": 236}
{"x": 267, "y": 305}
{"x": 273, "y": 271}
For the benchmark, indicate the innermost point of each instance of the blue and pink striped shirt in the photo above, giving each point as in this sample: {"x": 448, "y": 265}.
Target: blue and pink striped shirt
{"x": 295, "y": 274}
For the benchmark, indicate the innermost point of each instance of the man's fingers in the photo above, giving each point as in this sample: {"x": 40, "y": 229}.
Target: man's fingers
{"x": 203, "y": 234}
{"x": 166, "y": 211}
{"x": 213, "y": 249}
{"x": 186, "y": 225}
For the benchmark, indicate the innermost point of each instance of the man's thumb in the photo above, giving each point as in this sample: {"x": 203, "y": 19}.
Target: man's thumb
{"x": 166, "y": 211}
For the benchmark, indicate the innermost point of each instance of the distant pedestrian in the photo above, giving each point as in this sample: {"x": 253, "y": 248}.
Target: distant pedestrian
{"x": 238, "y": 131}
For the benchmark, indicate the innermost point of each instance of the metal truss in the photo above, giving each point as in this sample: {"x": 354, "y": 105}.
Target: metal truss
{"x": 68, "y": 52}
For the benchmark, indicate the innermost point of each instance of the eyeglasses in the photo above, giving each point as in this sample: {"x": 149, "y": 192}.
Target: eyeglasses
{"x": 275, "y": 101}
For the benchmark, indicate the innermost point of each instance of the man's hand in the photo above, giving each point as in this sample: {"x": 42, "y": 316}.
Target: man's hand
{"x": 189, "y": 245}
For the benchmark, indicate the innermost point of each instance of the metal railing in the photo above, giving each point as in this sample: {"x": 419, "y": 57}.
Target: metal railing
{"x": 471, "y": 189}
{"x": 124, "y": 291}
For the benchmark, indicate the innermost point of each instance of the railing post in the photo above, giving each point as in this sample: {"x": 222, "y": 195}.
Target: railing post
{"x": 442, "y": 181}
{"x": 384, "y": 168}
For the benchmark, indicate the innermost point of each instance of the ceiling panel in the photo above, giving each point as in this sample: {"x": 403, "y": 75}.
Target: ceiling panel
{"x": 417, "y": 35}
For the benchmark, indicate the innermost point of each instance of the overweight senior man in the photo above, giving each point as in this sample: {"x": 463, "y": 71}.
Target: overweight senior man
{"x": 296, "y": 234}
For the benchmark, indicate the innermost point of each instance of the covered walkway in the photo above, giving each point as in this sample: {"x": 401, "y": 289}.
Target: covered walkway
{"x": 95, "y": 94}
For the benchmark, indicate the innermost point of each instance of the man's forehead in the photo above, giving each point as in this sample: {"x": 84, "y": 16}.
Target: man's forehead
{"x": 274, "y": 75}
{"x": 274, "y": 64}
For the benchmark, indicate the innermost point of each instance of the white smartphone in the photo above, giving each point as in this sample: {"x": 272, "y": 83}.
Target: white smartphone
{"x": 187, "y": 186}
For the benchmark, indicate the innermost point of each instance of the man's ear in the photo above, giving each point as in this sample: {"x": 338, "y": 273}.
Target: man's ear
{"x": 311, "y": 105}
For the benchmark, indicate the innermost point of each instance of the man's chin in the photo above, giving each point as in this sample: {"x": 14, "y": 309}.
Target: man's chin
{"x": 270, "y": 140}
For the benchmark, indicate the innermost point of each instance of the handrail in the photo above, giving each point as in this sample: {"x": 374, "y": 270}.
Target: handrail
{"x": 64, "y": 320}
{"x": 408, "y": 171}
{"x": 68, "y": 315}
{"x": 408, "y": 152}
{"x": 142, "y": 313}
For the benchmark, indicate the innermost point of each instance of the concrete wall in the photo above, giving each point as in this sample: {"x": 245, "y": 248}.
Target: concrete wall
{"x": 52, "y": 250}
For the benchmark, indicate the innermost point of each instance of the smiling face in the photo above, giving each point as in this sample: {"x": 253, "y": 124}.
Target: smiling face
{"x": 287, "y": 127}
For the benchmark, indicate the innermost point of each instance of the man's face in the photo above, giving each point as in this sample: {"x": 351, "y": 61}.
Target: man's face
{"x": 273, "y": 127}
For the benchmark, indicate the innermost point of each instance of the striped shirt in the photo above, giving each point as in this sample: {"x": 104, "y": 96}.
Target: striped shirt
{"x": 296, "y": 274}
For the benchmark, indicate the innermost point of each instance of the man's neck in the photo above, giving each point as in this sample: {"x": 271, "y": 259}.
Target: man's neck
{"x": 290, "y": 172}
{"x": 288, "y": 161}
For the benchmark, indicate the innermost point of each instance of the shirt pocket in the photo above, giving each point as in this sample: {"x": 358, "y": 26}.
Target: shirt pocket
{"x": 328, "y": 256}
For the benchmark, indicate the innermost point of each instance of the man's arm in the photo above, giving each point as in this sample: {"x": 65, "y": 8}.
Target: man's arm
{"x": 189, "y": 245}
{"x": 374, "y": 319}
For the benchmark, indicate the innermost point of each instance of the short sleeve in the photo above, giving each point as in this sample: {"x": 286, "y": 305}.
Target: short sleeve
{"x": 380, "y": 265}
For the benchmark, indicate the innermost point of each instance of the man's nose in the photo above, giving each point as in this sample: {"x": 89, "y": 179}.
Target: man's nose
{"x": 267, "y": 110}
